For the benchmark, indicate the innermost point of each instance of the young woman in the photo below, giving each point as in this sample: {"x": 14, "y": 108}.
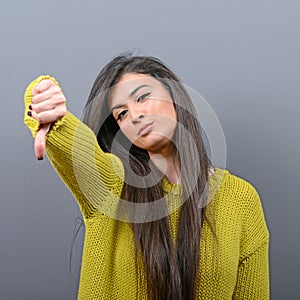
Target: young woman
{"x": 161, "y": 221}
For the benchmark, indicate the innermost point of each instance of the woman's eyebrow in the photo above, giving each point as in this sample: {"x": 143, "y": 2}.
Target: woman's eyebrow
{"x": 137, "y": 89}
{"x": 116, "y": 107}
{"x": 130, "y": 95}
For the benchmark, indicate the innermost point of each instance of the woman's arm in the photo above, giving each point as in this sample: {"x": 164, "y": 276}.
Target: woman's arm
{"x": 94, "y": 177}
{"x": 253, "y": 276}
{"x": 253, "y": 271}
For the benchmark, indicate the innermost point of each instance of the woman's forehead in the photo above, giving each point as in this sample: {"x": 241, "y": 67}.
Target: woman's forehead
{"x": 129, "y": 80}
{"x": 132, "y": 76}
{"x": 127, "y": 84}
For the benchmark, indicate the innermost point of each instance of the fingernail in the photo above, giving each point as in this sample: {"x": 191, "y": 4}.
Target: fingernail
{"x": 29, "y": 114}
{"x": 30, "y": 107}
{"x": 40, "y": 158}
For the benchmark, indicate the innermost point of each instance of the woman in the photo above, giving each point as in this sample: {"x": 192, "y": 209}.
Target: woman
{"x": 161, "y": 222}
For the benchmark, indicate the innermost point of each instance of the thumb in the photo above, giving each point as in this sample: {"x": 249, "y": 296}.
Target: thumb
{"x": 40, "y": 141}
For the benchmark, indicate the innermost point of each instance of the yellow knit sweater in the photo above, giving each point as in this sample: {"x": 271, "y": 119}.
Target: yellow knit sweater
{"x": 234, "y": 243}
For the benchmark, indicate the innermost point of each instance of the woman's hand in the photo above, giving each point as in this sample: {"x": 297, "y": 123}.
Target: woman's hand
{"x": 48, "y": 106}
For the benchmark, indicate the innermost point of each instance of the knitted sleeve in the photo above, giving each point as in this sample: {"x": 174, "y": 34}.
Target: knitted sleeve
{"x": 95, "y": 178}
{"x": 253, "y": 276}
{"x": 253, "y": 270}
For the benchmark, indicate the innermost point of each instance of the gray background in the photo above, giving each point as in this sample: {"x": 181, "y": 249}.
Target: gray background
{"x": 242, "y": 56}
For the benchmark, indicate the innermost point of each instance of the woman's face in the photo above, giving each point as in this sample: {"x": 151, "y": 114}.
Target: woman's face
{"x": 144, "y": 110}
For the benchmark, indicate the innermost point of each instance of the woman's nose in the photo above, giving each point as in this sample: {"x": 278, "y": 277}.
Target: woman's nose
{"x": 137, "y": 119}
{"x": 136, "y": 114}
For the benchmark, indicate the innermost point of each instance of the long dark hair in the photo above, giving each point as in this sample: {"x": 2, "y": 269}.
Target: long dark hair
{"x": 172, "y": 267}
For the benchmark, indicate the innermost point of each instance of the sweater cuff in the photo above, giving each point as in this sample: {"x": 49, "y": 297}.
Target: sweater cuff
{"x": 31, "y": 123}
{"x": 66, "y": 126}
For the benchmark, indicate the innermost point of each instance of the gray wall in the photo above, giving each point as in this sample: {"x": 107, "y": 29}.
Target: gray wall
{"x": 242, "y": 56}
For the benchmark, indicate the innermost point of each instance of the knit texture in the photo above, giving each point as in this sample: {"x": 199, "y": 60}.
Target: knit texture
{"x": 234, "y": 242}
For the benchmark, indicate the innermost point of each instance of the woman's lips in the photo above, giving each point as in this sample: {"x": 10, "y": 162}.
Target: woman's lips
{"x": 145, "y": 129}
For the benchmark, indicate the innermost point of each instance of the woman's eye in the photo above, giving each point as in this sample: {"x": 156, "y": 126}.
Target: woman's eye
{"x": 142, "y": 97}
{"x": 121, "y": 115}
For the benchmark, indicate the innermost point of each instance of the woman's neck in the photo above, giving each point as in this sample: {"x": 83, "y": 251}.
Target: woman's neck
{"x": 167, "y": 162}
